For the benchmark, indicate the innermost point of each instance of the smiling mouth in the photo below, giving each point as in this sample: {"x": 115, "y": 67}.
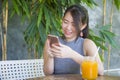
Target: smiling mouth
{"x": 68, "y": 32}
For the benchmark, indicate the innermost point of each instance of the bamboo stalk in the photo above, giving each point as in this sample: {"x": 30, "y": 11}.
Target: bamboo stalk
{"x": 2, "y": 41}
{"x": 5, "y": 22}
{"x": 3, "y": 52}
{"x": 104, "y": 19}
{"x": 104, "y": 11}
{"x": 109, "y": 47}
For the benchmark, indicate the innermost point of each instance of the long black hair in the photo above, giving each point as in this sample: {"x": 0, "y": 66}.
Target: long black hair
{"x": 80, "y": 17}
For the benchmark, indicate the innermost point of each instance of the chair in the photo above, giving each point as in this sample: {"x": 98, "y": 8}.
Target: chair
{"x": 21, "y": 69}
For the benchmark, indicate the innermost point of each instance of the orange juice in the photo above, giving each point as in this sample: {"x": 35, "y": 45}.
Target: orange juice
{"x": 89, "y": 69}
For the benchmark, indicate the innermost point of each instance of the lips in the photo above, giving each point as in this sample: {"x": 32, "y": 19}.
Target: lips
{"x": 66, "y": 32}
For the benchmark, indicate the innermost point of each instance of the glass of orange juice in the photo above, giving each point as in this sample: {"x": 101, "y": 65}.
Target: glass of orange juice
{"x": 89, "y": 68}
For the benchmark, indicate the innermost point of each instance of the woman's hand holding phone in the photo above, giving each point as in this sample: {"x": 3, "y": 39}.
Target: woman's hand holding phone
{"x": 53, "y": 40}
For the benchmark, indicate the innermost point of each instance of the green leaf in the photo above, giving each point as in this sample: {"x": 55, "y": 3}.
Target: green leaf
{"x": 40, "y": 1}
{"x": 16, "y": 7}
{"x": 90, "y": 3}
{"x": 101, "y": 46}
{"x": 48, "y": 17}
{"x": 30, "y": 32}
{"x": 4, "y": 3}
{"x": 110, "y": 34}
{"x": 42, "y": 33}
{"x": 19, "y": 3}
{"x": 117, "y": 4}
{"x": 110, "y": 40}
{"x": 40, "y": 48}
{"x": 106, "y": 27}
{"x": 25, "y": 8}
{"x": 12, "y": 14}
{"x": 101, "y": 57}
{"x": 97, "y": 38}
{"x": 102, "y": 34}
{"x": 40, "y": 16}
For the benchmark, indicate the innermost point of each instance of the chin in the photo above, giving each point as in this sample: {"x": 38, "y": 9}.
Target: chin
{"x": 67, "y": 36}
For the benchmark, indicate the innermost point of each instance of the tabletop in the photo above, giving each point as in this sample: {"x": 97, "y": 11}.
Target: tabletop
{"x": 73, "y": 77}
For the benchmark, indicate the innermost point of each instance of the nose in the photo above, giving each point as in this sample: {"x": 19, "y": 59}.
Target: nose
{"x": 69, "y": 26}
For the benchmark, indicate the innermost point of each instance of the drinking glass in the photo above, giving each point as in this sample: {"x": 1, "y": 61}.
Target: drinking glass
{"x": 89, "y": 68}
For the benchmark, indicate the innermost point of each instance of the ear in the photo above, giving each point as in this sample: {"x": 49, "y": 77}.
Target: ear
{"x": 83, "y": 26}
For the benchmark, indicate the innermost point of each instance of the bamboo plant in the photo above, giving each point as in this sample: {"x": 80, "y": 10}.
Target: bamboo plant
{"x": 109, "y": 46}
{"x": 4, "y": 37}
{"x": 44, "y": 17}
{"x": 104, "y": 21}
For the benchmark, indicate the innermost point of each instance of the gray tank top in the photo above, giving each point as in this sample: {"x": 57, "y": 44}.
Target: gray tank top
{"x": 67, "y": 65}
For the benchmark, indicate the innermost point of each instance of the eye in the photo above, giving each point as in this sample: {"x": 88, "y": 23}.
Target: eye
{"x": 65, "y": 21}
{"x": 73, "y": 24}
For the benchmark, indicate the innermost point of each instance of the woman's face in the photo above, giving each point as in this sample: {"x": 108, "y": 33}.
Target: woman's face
{"x": 68, "y": 27}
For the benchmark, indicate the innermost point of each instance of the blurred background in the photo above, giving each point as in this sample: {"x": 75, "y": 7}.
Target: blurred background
{"x": 24, "y": 25}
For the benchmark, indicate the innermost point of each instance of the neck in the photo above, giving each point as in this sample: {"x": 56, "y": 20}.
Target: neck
{"x": 69, "y": 39}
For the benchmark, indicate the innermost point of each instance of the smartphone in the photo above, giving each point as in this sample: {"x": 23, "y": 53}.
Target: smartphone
{"x": 53, "y": 39}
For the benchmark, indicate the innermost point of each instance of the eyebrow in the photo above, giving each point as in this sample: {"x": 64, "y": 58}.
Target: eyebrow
{"x": 67, "y": 20}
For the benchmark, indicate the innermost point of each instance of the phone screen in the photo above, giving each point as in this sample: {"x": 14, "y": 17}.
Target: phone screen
{"x": 53, "y": 40}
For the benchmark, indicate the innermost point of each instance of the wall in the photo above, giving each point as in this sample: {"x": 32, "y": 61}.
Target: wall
{"x": 17, "y": 48}
{"x": 96, "y": 19}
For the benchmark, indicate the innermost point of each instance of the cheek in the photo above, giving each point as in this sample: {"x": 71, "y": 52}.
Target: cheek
{"x": 73, "y": 29}
{"x": 63, "y": 26}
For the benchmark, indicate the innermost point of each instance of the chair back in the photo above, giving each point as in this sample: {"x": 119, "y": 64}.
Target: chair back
{"x": 21, "y": 69}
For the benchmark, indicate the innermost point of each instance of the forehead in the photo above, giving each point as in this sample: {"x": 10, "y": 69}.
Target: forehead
{"x": 68, "y": 17}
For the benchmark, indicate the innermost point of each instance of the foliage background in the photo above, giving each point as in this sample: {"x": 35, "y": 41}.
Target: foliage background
{"x": 44, "y": 17}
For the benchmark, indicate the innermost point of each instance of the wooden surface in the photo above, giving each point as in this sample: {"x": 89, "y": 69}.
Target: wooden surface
{"x": 73, "y": 77}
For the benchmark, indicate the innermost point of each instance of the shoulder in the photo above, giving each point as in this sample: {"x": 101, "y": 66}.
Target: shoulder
{"x": 89, "y": 47}
{"x": 88, "y": 42}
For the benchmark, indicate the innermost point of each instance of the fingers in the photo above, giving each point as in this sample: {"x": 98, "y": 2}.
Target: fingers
{"x": 48, "y": 43}
{"x": 53, "y": 54}
{"x": 55, "y": 47}
{"x": 58, "y": 55}
{"x": 52, "y": 51}
{"x": 50, "y": 55}
{"x": 61, "y": 45}
{"x": 57, "y": 51}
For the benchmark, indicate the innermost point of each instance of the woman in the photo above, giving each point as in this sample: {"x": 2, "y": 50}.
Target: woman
{"x": 74, "y": 45}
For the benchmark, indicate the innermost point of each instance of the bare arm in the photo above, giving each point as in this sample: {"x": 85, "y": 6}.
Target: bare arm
{"x": 89, "y": 49}
{"x": 62, "y": 51}
{"x": 48, "y": 60}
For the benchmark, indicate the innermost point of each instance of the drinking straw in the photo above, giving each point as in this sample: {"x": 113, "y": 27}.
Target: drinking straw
{"x": 96, "y": 52}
